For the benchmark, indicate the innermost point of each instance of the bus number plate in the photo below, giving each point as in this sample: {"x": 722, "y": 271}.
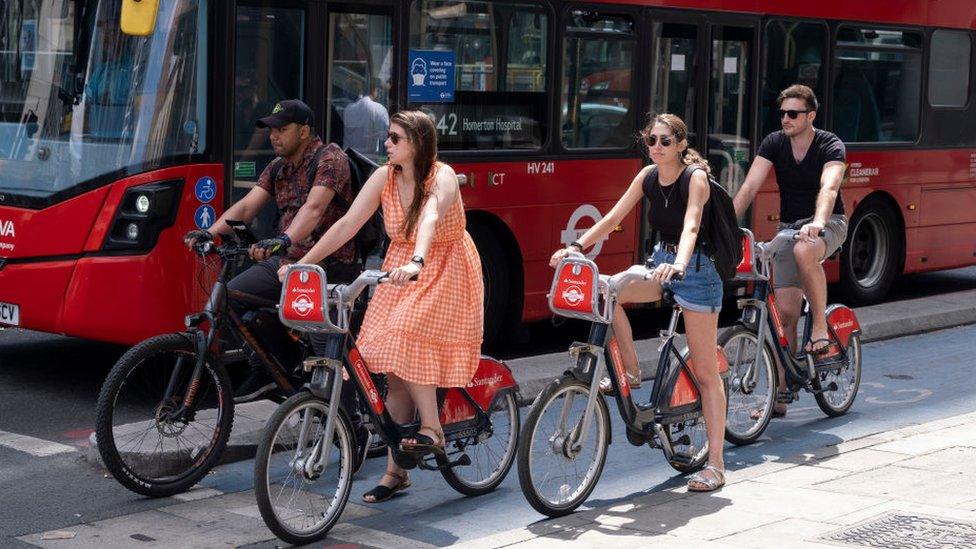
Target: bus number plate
{"x": 9, "y": 314}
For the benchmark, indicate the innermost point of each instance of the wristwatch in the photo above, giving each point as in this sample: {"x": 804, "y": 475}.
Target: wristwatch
{"x": 418, "y": 259}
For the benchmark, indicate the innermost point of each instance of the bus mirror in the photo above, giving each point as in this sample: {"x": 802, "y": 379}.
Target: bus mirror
{"x": 138, "y": 17}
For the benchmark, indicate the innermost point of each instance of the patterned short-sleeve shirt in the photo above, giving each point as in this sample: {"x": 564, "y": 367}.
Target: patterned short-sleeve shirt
{"x": 290, "y": 190}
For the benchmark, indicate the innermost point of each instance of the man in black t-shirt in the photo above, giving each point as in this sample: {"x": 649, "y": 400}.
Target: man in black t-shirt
{"x": 809, "y": 164}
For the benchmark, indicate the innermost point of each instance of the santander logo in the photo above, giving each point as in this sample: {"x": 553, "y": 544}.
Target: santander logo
{"x": 573, "y": 295}
{"x": 492, "y": 380}
{"x": 842, "y": 325}
{"x": 7, "y": 228}
{"x": 303, "y": 305}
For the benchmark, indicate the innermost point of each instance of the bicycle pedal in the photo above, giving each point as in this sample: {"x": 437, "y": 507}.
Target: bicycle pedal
{"x": 830, "y": 387}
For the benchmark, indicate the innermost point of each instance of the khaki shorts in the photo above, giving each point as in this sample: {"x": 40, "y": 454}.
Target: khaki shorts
{"x": 784, "y": 265}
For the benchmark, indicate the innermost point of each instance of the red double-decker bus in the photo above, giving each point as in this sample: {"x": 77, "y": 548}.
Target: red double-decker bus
{"x": 112, "y": 146}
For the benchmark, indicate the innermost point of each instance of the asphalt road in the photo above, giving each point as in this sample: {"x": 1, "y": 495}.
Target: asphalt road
{"x": 48, "y": 386}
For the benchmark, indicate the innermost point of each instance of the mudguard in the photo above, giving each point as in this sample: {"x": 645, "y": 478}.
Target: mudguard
{"x": 843, "y": 323}
{"x": 492, "y": 378}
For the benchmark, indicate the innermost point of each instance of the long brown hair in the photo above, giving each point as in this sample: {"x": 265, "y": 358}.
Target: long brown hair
{"x": 421, "y": 132}
{"x": 680, "y": 130}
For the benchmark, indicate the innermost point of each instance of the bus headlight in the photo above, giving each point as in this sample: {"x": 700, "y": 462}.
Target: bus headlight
{"x": 143, "y": 212}
{"x": 142, "y": 203}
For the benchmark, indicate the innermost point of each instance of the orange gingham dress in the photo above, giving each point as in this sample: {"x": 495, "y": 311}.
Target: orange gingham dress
{"x": 429, "y": 331}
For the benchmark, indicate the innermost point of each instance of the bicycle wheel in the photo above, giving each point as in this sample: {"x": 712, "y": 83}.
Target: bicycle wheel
{"x": 492, "y": 452}
{"x": 147, "y": 444}
{"x": 298, "y": 503}
{"x": 846, "y": 376}
{"x": 749, "y": 409}
{"x": 556, "y": 478}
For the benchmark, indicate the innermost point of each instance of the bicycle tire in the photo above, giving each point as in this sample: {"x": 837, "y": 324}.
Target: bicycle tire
{"x": 134, "y": 370}
{"x": 265, "y": 473}
{"x": 456, "y": 476}
{"x": 766, "y": 385}
{"x": 823, "y": 379}
{"x": 526, "y": 447}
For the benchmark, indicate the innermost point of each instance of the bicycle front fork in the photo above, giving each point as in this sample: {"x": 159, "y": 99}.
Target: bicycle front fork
{"x": 326, "y": 384}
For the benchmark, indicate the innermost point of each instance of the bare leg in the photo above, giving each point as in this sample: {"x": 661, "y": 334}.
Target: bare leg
{"x": 702, "y": 333}
{"x": 788, "y": 300}
{"x": 808, "y": 256}
{"x": 402, "y": 409}
{"x": 637, "y": 292}
{"x": 425, "y": 397}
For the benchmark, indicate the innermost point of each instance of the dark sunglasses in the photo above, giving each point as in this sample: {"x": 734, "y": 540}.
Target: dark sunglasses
{"x": 395, "y": 137}
{"x": 791, "y": 113}
{"x": 651, "y": 140}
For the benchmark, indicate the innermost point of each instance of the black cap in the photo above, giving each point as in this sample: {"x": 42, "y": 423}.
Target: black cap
{"x": 289, "y": 111}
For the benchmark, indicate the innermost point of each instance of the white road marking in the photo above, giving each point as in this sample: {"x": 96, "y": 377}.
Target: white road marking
{"x": 34, "y": 446}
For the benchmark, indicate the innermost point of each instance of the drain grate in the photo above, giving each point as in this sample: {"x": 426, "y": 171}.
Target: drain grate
{"x": 899, "y": 530}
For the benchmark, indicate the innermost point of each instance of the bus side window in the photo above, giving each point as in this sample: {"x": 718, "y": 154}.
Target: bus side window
{"x": 795, "y": 54}
{"x": 500, "y": 94}
{"x": 877, "y": 90}
{"x": 597, "y": 86}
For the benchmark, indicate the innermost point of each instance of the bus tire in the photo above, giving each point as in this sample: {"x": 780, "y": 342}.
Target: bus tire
{"x": 869, "y": 259}
{"x": 496, "y": 273}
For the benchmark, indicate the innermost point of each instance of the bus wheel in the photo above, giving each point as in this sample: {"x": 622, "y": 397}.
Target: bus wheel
{"x": 869, "y": 260}
{"x": 495, "y": 272}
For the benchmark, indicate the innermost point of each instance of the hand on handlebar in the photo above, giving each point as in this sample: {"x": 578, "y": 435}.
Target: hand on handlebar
{"x": 270, "y": 246}
{"x": 561, "y": 253}
{"x": 403, "y": 274}
{"x": 194, "y": 237}
{"x": 811, "y": 231}
{"x": 666, "y": 272}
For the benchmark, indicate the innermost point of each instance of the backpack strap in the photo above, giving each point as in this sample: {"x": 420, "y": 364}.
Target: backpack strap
{"x": 684, "y": 187}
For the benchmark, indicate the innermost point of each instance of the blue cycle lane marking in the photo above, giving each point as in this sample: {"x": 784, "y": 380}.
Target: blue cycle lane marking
{"x": 903, "y": 384}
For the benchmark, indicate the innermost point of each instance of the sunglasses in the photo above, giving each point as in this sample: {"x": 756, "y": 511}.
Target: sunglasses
{"x": 791, "y": 113}
{"x": 395, "y": 137}
{"x": 651, "y": 140}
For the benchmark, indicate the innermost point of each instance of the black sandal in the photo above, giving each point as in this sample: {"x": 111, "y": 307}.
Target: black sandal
{"x": 383, "y": 493}
{"x": 424, "y": 444}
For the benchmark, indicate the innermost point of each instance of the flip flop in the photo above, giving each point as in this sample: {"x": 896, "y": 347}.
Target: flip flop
{"x": 829, "y": 349}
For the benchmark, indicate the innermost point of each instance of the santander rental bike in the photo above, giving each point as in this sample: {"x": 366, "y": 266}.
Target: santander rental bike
{"x": 754, "y": 344}
{"x": 567, "y": 433}
{"x": 303, "y": 468}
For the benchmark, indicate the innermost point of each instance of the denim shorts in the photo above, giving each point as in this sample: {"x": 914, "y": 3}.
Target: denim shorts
{"x": 701, "y": 288}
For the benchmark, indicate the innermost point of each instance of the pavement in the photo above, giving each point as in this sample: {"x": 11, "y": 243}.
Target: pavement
{"x": 912, "y": 487}
{"x": 878, "y": 322}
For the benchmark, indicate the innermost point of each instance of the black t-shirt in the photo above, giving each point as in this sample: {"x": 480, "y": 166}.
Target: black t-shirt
{"x": 666, "y": 213}
{"x": 799, "y": 184}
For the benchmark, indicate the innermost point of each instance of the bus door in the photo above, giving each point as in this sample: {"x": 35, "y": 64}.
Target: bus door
{"x": 269, "y": 66}
{"x": 731, "y": 72}
{"x": 675, "y": 67}
{"x": 360, "y": 77}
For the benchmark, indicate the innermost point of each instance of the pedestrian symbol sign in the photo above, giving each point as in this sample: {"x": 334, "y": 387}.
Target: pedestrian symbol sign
{"x": 205, "y": 216}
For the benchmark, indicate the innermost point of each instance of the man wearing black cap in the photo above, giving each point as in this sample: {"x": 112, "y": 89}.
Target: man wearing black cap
{"x": 310, "y": 183}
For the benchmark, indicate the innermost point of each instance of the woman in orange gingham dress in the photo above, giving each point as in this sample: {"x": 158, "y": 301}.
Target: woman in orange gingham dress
{"x": 424, "y": 334}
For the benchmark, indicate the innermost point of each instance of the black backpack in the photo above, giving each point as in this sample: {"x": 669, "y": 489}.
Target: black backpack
{"x": 371, "y": 240}
{"x": 721, "y": 237}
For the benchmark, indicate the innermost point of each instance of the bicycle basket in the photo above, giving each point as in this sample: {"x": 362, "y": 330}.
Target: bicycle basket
{"x": 747, "y": 268}
{"x": 576, "y": 290}
{"x": 304, "y": 300}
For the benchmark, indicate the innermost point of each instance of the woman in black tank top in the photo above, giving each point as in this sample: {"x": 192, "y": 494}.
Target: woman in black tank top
{"x": 677, "y": 188}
